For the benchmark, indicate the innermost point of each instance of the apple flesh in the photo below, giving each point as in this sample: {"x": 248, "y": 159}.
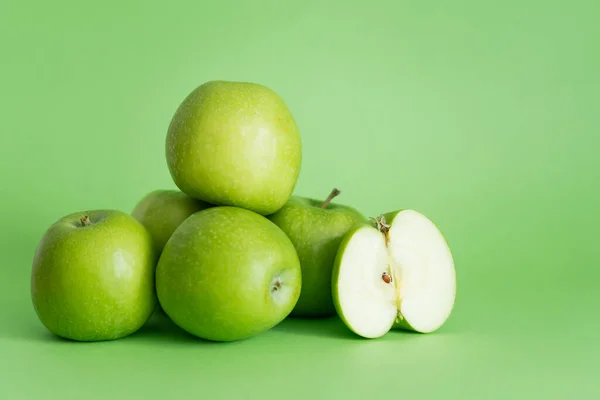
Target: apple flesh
{"x": 227, "y": 274}
{"x": 92, "y": 277}
{"x": 316, "y": 229}
{"x": 235, "y": 144}
{"x": 398, "y": 274}
{"x": 162, "y": 211}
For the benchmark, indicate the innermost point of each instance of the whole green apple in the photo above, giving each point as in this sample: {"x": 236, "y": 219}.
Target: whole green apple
{"x": 316, "y": 229}
{"x": 235, "y": 144}
{"x": 162, "y": 211}
{"x": 227, "y": 274}
{"x": 92, "y": 277}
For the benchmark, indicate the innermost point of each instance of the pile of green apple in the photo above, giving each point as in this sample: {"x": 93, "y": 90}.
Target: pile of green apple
{"x": 233, "y": 252}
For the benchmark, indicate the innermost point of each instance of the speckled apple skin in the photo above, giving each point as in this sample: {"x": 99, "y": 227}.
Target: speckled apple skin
{"x": 162, "y": 211}
{"x": 235, "y": 144}
{"x": 96, "y": 282}
{"x": 316, "y": 234}
{"x": 216, "y": 273}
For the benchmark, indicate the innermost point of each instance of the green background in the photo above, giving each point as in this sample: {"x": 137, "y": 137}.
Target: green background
{"x": 481, "y": 114}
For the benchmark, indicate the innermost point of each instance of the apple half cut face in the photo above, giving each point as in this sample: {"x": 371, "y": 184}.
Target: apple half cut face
{"x": 395, "y": 274}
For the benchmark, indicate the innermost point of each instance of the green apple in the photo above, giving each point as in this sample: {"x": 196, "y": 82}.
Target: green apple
{"x": 92, "y": 277}
{"x": 397, "y": 273}
{"x": 235, "y": 144}
{"x": 227, "y": 274}
{"x": 162, "y": 211}
{"x": 316, "y": 229}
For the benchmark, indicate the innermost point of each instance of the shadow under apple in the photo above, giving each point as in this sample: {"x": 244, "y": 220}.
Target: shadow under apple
{"x": 160, "y": 328}
{"x": 331, "y": 327}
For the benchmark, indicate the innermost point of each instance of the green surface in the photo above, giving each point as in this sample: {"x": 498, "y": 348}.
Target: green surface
{"x": 482, "y": 115}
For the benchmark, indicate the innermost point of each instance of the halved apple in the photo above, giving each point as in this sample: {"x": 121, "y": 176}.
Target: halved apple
{"x": 397, "y": 273}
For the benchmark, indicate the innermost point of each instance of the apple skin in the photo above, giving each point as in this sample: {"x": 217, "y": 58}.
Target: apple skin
{"x": 162, "y": 211}
{"x": 228, "y": 274}
{"x": 94, "y": 282}
{"x": 316, "y": 234}
{"x": 235, "y": 144}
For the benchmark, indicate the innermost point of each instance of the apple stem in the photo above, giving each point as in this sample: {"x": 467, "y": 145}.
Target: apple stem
{"x": 85, "y": 221}
{"x": 332, "y": 195}
{"x": 383, "y": 227}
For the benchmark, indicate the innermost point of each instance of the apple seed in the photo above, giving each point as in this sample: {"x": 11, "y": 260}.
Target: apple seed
{"x": 387, "y": 278}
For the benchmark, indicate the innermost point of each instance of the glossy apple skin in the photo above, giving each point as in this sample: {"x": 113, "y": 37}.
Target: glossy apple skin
{"x": 96, "y": 282}
{"x": 216, "y": 274}
{"x": 316, "y": 234}
{"x": 162, "y": 211}
{"x": 235, "y": 144}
